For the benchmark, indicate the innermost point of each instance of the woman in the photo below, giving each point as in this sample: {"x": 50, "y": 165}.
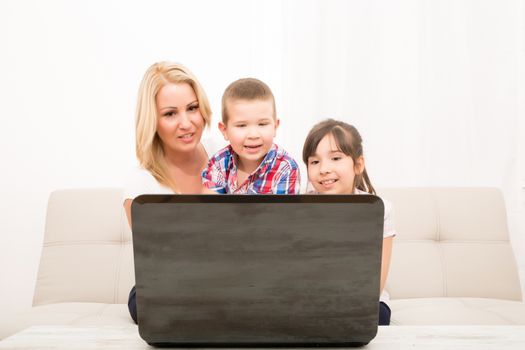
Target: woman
{"x": 172, "y": 110}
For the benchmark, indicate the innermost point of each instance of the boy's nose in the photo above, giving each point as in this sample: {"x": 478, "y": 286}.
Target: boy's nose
{"x": 253, "y": 133}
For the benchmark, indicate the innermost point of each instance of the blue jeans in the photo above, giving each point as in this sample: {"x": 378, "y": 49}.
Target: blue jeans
{"x": 132, "y": 304}
{"x": 384, "y": 314}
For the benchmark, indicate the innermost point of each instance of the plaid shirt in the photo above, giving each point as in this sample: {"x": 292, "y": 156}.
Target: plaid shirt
{"x": 278, "y": 173}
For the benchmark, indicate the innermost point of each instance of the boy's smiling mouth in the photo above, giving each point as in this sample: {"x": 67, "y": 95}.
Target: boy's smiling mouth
{"x": 252, "y": 148}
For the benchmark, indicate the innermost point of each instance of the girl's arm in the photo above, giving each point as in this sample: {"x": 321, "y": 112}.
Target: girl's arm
{"x": 385, "y": 260}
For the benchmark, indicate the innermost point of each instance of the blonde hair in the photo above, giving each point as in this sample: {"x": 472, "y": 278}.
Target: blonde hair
{"x": 249, "y": 89}
{"x": 348, "y": 141}
{"x": 148, "y": 145}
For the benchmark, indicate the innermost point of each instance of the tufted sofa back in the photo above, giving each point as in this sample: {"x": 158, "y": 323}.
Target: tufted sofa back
{"x": 451, "y": 242}
{"x": 87, "y": 254}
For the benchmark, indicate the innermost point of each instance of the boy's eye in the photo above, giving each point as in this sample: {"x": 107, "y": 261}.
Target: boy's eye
{"x": 241, "y": 125}
{"x": 263, "y": 124}
{"x": 336, "y": 158}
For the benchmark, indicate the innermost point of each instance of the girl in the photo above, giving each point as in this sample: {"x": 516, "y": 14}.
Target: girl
{"x": 333, "y": 154}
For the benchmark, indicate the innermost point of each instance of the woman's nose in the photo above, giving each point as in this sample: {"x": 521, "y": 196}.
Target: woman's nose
{"x": 184, "y": 121}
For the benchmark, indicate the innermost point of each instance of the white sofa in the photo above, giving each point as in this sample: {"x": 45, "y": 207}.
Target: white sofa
{"x": 86, "y": 266}
{"x": 452, "y": 262}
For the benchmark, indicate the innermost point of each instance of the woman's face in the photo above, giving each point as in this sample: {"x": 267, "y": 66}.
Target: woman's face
{"x": 179, "y": 123}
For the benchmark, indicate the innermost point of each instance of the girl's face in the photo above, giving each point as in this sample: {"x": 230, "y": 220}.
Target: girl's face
{"x": 180, "y": 123}
{"x": 331, "y": 171}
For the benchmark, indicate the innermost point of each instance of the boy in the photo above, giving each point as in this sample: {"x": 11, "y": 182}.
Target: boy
{"x": 252, "y": 163}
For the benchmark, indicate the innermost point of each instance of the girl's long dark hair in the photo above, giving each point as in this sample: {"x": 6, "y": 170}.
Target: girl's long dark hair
{"x": 348, "y": 141}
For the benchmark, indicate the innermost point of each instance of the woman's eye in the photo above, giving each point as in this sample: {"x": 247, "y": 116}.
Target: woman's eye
{"x": 169, "y": 114}
{"x": 193, "y": 108}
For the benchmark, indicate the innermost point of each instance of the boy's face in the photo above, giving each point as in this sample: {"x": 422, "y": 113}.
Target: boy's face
{"x": 250, "y": 130}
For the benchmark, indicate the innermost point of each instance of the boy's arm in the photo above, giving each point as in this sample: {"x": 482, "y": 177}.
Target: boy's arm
{"x": 288, "y": 181}
{"x": 213, "y": 178}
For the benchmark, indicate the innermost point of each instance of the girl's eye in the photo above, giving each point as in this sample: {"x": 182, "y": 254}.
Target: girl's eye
{"x": 336, "y": 158}
{"x": 314, "y": 162}
{"x": 193, "y": 108}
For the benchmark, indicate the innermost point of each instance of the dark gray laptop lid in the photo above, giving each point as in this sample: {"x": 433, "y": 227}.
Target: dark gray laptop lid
{"x": 257, "y": 270}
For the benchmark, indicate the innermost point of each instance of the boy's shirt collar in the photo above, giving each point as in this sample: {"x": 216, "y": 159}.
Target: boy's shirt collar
{"x": 277, "y": 173}
{"x": 260, "y": 171}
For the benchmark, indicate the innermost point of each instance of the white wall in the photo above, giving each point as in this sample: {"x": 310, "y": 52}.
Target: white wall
{"x": 436, "y": 88}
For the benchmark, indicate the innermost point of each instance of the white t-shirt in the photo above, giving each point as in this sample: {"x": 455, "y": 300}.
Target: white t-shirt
{"x": 388, "y": 230}
{"x": 388, "y": 225}
{"x": 140, "y": 181}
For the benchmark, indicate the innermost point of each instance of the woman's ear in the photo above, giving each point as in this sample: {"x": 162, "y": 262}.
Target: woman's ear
{"x": 359, "y": 165}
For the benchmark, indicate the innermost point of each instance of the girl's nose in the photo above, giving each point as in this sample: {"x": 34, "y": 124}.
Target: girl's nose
{"x": 324, "y": 168}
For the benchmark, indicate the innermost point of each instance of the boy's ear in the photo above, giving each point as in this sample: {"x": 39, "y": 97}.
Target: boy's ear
{"x": 277, "y": 123}
{"x": 222, "y": 128}
{"x": 359, "y": 165}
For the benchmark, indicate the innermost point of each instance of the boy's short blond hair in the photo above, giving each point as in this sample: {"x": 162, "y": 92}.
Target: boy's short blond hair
{"x": 248, "y": 89}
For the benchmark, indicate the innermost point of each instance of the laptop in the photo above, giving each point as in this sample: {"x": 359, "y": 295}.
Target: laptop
{"x": 257, "y": 270}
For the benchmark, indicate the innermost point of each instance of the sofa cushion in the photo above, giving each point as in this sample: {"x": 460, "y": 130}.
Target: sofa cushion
{"x": 456, "y": 311}
{"x": 69, "y": 314}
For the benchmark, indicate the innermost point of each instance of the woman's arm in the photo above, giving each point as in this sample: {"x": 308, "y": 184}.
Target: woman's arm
{"x": 385, "y": 260}
{"x": 127, "y": 208}
{"x": 132, "y": 298}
